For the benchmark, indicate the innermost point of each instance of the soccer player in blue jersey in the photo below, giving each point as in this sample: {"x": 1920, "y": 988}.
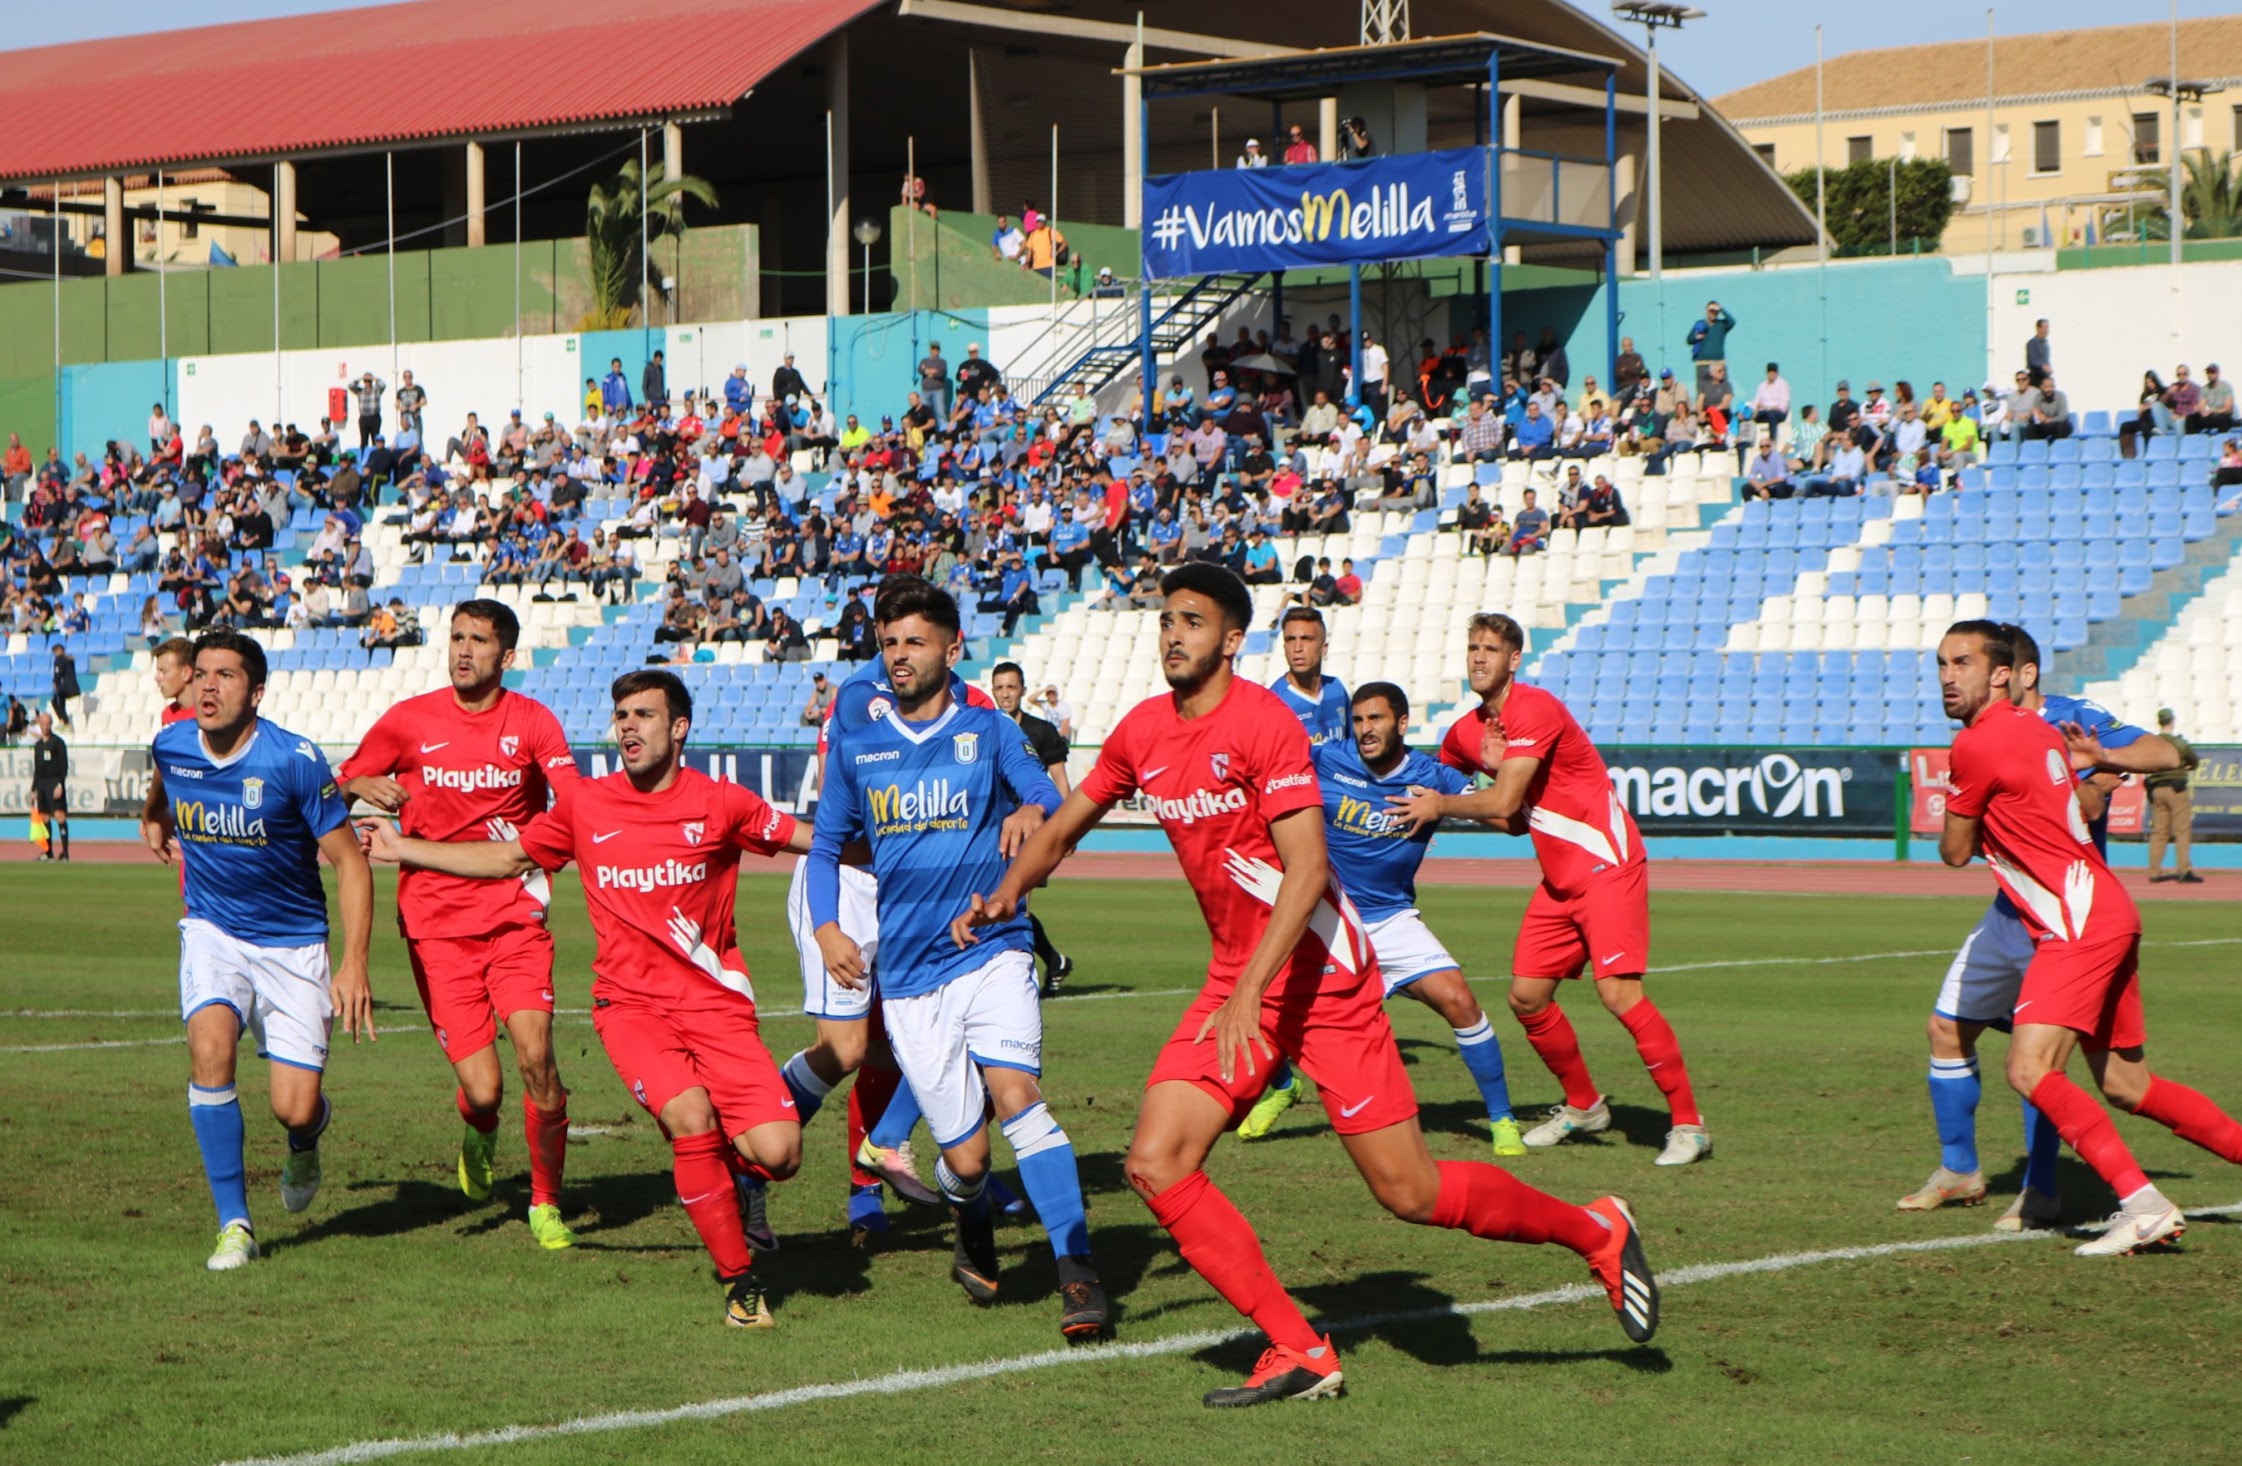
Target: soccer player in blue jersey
{"x": 1981, "y": 986}
{"x": 945, "y": 794}
{"x": 1375, "y": 855}
{"x": 1321, "y": 704}
{"x": 248, "y": 808}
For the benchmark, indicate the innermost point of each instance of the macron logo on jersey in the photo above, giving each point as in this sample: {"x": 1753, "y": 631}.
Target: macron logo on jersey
{"x": 669, "y": 873}
{"x": 1199, "y": 804}
{"x": 470, "y": 781}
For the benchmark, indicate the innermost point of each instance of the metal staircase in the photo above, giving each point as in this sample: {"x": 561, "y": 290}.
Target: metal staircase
{"x": 1177, "y": 322}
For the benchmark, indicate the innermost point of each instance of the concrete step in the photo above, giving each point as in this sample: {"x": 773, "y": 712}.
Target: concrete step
{"x": 2114, "y": 647}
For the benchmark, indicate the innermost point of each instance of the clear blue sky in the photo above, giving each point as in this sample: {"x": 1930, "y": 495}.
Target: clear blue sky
{"x": 1739, "y": 42}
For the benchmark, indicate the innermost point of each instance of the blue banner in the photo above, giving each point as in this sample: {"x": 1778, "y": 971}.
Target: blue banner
{"x": 1248, "y": 220}
{"x": 785, "y": 777}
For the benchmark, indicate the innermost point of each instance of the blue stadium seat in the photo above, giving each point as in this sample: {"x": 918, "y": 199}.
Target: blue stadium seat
{"x": 2034, "y": 476}
{"x": 2097, "y": 424}
{"x": 2063, "y": 450}
{"x": 2032, "y": 450}
{"x": 2066, "y": 475}
{"x": 2200, "y": 448}
{"x": 2100, "y": 450}
{"x": 2001, "y": 450}
{"x": 2166, "y": 551}
{"x": 2162, "y": 449}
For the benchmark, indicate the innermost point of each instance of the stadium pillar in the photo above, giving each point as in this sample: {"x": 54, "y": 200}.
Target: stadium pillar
{"x": 1354, "y": 331}
{"x": 673, "y": 150}
{"x": 116, "y": 248}
{"x": 1132, "y": 142}
{"x": 284, "y": 207}
{"x": 837, "y": 174}
{"x": 1513, "y": 110}
{"x": 475, "y": 190}
{"x": 1494, "y": 219}
{"x": 977, "y": 135}
{"x": 1611, "y": 222}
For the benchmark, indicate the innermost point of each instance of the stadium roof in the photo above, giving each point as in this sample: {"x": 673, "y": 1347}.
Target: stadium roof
{"x": 416, "y": 72}
{"x": 2105, "y": 61}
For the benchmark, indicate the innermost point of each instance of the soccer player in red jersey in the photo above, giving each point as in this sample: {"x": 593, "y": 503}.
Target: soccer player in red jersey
{"x": 175, "y": 679}
{"x": 2014, "y": 799}
{"x": 659, "y": 846}
{"x": 1226, "y": 767}
{"x": 474, "y": 761}
{"x": 1592, "y": 908}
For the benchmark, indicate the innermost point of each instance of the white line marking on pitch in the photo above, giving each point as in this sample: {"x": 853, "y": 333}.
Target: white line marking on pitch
{"x": 903, "y": 1380}
{"x": 1071, "y": 1001}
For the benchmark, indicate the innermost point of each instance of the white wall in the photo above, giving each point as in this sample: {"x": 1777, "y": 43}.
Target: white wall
{"x": 2108, "y": 326}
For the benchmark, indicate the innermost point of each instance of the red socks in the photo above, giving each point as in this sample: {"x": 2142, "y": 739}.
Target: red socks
{"x": 2085, "y": 1127}
{"x": 868, "y": 1099}
{"x": 483, "y": 1120}
{"x": 2193, "y": 1117}
{"x": 1221, "y": 1247}
{"x": 704, "y": 1187}
{"x": 1552, "y": 1036}
{"x": 547, "y": 1135}
{"x": 1661, "y": 1051}
{"x": 1487, "y": 1201}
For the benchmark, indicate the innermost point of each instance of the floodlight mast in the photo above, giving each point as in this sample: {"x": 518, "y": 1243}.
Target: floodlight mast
{"x": 1654, "y": 16}
{"x": 2178, "y": 89}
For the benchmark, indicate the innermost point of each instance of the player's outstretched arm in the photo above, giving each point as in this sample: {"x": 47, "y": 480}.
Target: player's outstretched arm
{"x": 1075, "y": 817}
{"x": 477, "y": 860}
{"x": 1958, "y": 842}
{"x": 379, "y": 790}
{"x": 1501, "y": 804}
{"x": 352, "y": 989}
{"x": 1236, "y": 1025}
{"x": 2147, "y": 754}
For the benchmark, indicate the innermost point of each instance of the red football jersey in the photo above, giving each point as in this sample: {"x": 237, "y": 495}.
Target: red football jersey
{"x": 660, "y": 872}
{"x": 472, "y": 776}
{"x": 1216, "y": 782}
{"x": 173, "y": 713}
{"x": 2013, "y": 771}
{"x": 1579, "y": 827}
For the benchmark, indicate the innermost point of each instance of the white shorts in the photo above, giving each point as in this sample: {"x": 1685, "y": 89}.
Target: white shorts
{"x": 280, "y": 994}
{"x": 1988, "y": 972}
{"x": 822, "y": 997}
{"x": 941, "y": 1039}
{"x": 1406, "y": 948}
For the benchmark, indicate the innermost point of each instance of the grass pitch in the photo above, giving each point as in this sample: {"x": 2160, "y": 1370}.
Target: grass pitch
{"x": 395, "y": 1309}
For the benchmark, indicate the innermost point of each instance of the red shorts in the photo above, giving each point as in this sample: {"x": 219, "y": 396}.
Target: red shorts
{"x": 464, "y": 981}
{"x": 2092, "y": 987}
{"x": 1330, "y": 1022}
{"x": 1605, "y": 928}
{"x": 660, "y": 1053}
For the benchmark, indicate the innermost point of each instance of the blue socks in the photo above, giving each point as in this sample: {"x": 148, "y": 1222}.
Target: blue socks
{"x": 1281, "y": 1076}
{"x": 1954, "y": 1094}
{"x": 1053, "y": 1182}
{"x": 2043, "y": 1144}
{"x": 1482, "y": 1055}
{"x": 896, "y": 1121}
{"x": 216, "y": 1115}
{"x": 802, "y": 1082}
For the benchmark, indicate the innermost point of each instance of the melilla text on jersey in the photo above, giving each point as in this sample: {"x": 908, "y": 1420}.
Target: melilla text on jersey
{"x": 1362, "y": 817}
{"x": 925, "y": 807}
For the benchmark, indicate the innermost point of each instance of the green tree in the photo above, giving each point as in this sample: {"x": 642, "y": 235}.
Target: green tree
{"x": 620, "y": 272}
{"x": 1860, "y": 202}
{"x": 2210, "y": 202}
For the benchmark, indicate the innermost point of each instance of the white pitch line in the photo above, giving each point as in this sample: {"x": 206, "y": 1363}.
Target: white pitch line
{"x": 1070, "y": 1000}
{"x": 904, "y": 1380}
{"x": 145, "y": 1043}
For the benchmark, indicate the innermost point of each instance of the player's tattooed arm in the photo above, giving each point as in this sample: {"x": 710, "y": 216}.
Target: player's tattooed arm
{"x": 1958, "y": 842}
{"x": 155, "y": 821}
{"x": 479, "y": 860}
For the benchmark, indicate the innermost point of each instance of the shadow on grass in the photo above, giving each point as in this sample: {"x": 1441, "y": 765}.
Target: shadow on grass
{"x": 13, "y": 1405}
{"x": 410, "y": 1206}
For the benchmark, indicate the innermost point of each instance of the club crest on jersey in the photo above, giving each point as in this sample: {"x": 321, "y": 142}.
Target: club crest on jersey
{"x": 252, "y": 793}
{"x": 1220, "y": 762}
{"x": 967, "y": 747}
{"x": 510, "y": 745}
{"x": 878, "y": 708}
{"x": 693, "y": 830}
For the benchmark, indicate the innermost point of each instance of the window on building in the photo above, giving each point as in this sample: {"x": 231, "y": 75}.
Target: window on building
{"x": 1859, "y": 149}
{"x": 2191, "y": 128}
{"x": 1766, "y": 153}
{"x": 2148, "y": 137}
{"x": 2000, "y": 144}
{"x": 1907, "y": 147}
{"x": 2093, "y": 137}
{"x": 2047, "y": 147}
{"x": 189, "y": 226}
{"x": 1961, "y": 152}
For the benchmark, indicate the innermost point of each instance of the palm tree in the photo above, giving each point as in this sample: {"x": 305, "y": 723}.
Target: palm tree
{"x": 620, "y": 273}
{"x": 2210, "y": 200}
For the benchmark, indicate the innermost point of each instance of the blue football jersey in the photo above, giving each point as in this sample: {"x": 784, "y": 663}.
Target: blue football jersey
{"x": 2103, "y": 724}
{"x": 249, "y": 830}
{"x": 930, "y": 799}
{"x": 866, "y": 697}
{"x": 1329, "y": 717}
{"x": 1374, "y": 855}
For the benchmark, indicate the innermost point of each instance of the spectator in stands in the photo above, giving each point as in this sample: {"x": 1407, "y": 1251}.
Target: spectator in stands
{"x": 1252, "y": 157}
{"x": 2038, "y": 362}
{"x": 1480, "y": 439}
{"x": 1536, "y": 437}
{"x": 368, "y": 390}
{"x": 1530, "y": 535}
{"x": 785, "y": 640}
{"x": 1297, "y": 148}
{"x": 1708, "y": 342}
{"x": 1958, "y": 443}
{"x": 614, "y": 391}
{"x": 412, "y": 400}
{"x": 1909, "y": 442}
{"x": 2051, "y": 411}
{"x": 1007, "y": 241}
{"x": 2021, "y": 408}
{"x": 2216, "y": 414}
{"x": 1768, "y": 475}
{"x": 653, "y": 381}
{"x": 820, "y": 701}
{"x": 1844, "y": 472}
{"x": 15, "y": 470}
{"x": 857, "y": 640}
{"x": 788, "y": 383}
{"x": 1262, "y": 566}
{"x": 1771, "y": 401}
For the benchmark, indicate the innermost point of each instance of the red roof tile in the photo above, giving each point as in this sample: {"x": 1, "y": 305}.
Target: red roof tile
{"x": 411, "y": 72}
